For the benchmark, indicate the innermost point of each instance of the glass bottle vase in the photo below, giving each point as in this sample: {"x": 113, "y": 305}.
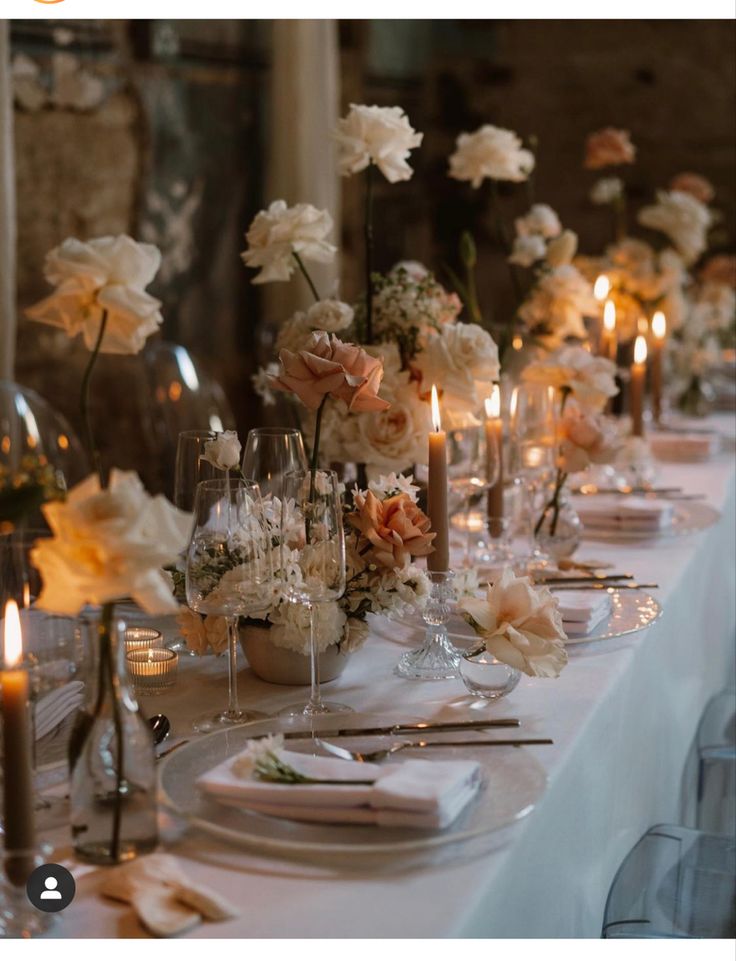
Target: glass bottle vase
{"x": 559, "y": 531}
{"x": 111, "y": 758}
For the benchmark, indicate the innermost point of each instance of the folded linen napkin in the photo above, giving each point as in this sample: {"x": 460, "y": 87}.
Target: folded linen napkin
{"x": 414, "y": 793}
{"x": 582, "y": 610}
{"x": 50, "y": 710}
{"x": 685, "y": 446}
{"x": 625, "y": 513}
{"x": 165, "y": 899}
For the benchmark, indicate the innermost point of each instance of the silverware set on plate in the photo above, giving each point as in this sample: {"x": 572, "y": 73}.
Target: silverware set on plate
{"x": 590, "y": 582}
{"x": 660, "y": 493}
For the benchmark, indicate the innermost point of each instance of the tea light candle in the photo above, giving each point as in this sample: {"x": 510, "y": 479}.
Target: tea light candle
{"x": 18, "y": 820}
{"x": 153, "y": 670}
{"x": 439, "y": 559}
{"x": 142, "y": 638}
{"x": 494, "y": 438}
{"x": 638, "y": 379}
{"x": 659, "y": 333}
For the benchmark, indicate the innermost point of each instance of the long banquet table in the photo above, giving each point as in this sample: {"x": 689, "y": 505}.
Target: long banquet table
{"x": 623, "y": 716}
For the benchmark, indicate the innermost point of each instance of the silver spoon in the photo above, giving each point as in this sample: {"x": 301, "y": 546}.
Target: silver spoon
{"x": 160, "y": 727}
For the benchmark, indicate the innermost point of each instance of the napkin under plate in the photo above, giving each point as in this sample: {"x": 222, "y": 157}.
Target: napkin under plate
{"x": 414, "y": 793}
{"x": 684, "y": 447}
{"x": 626, "y": 513}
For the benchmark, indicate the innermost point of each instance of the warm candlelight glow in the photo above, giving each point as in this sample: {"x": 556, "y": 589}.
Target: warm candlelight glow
{"x": 13, "y": 647}
{"x": 436, "y": 422}
{"x": 512, "y": 404}
{"x": 493, "y": 403}
{"x": 601, "y": 287}
{"x": 609, "y": 316}
{"x": 659, "y": 325}
{"x": 642, "y": 325}
{"x": 640, "y": 350}
{"x": 517, "y": 343}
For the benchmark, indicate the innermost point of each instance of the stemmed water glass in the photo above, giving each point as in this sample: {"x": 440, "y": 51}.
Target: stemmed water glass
{"x": 191, "y": 468}
{"x": 533, "y": 452}
{"x": 473, "y": 467}
{"x": 312, "y": 537}
{"x": 270, "y": 454}
{"x": 229, "y": 571}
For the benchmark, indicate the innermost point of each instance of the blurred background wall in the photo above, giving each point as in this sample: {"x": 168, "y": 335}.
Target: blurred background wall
{"x": 161, "y": 129}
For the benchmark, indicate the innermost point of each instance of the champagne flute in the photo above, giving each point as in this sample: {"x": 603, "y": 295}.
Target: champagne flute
{"x": 229, "y": 571}
{"x": 312, "y": 532}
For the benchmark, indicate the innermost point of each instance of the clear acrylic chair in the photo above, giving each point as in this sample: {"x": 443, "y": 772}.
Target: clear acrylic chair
{"x": 716, "y": 746}
{"x": 675, "y": 883}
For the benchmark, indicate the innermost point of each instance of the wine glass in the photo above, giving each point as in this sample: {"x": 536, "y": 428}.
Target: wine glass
{"x": 312, "y": 534}
{"x": 473, "y": 467}
{"x": 191, "y": 467}
{"x": 533, "y": 451}
{"x": 270, "y": 454}
{"x": 229, "y": 571}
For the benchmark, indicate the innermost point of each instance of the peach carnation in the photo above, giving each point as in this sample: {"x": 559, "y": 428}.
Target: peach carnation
{"x": 609, "y": 148}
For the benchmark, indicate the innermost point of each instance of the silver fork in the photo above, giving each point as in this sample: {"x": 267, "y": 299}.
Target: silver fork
{"x": 383, "y": 753}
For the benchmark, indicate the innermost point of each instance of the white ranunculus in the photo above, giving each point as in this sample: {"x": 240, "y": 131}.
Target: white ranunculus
{"x": 541, "y": 219}
{"x": 562, "y": 249}
{"x": 490, "y": 152}
{"x": 379, "y": 135}
{"x": 527, "y": 250}
{"x": 105, "y": 276}
{"x": 109, "y": 544}
{"x": 607, "y": 190}
{"x": 276, "y": 234}
{"x": 290, "y": 626}
{"x": 394, "y": 439}
{"x": 520, "y": 625}
{"x": 591, "y": 379}
{"x": 682, "y": 218}
{"x": 224, "y": 451}
{"x": 558, "y": 304}
{"x": 455, "y": 359}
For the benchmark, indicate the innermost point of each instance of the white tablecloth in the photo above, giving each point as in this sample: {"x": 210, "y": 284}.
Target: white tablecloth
{"x": 623, "y": 715}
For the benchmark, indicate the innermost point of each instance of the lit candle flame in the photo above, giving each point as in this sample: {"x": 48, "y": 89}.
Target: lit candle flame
{"x": 517, "y": 343}
{"x": 640, "y": 350}
{"x": 13, "y": 650}
{"x": 659, "y": 325}
{"x": 602, "y": 287}
{"x": 436, "y": 422}
{"x": 609, "y": 316}
{"x": 514, "y": 401}
{"x": 493, "y": 403}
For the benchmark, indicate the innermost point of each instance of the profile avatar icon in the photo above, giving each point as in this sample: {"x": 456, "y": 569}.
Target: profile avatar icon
{"x": 50, "y": 894}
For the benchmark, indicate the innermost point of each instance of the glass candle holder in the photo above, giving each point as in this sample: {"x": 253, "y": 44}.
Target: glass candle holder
{"x": 142, "y": 638}
{"x": 437, "y": 658}
{"x": 18, "y": 917}
{"x": 152, "y": 671}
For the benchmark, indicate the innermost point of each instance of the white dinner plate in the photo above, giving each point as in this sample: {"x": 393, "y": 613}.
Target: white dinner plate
{"x": 512, "y": 783}
{"x": 631, "y": 611}
{"x": 689, "y": 517}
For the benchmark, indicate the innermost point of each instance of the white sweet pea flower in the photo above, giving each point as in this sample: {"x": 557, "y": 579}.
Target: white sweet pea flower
{"x": 541, "y": 219}
{"x": 278, "y": 233}
{"x": 379, "y": 135}
{"x": 102, "y": 277}
{"x": 490, "y": 152}
{"x": 682, "y": 218}
{"x": 224, "y": 451}
{"x": 109, "y": 544}
{"x": 520, "y": 625}
{"x": 527, "y": 250}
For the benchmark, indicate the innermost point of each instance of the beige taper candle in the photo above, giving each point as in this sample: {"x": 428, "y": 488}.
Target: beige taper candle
{"x": 638, "y": 380}
{"x": 659, "y": 332}
{"x": 494, "y": 439}
{"x": 439, "y": 559}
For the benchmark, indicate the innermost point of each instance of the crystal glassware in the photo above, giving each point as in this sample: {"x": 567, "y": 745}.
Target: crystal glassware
{"x": 229, "y": 571}
{"x": 270, "y": 454}
{"x": 191, "y": 468}
{"x": 437, "y": 658}
{"x": 312, "y": 536}
{"x": 18, "y": 917}
{"x": 485, "y": 676}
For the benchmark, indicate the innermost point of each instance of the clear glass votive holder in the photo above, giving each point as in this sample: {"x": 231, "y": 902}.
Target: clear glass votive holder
{"x": 142, "y": 638}
{"x": 485, "y": 676}
{"x": 489, "y": 546}
{"x": 18, "y": 917}
{"x": 152, "y": 671}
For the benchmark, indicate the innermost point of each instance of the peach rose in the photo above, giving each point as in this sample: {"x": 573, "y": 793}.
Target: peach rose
{"x": 327, "y": 366}
{"x": 695, "y": 185}
{"x": 396, "y": 528}
{"x": 608, "y": 148}
{"x": 720, "y": 269}
{"x": 585, "y": 439}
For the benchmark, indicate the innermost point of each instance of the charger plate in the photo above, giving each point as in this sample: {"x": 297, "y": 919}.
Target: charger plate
{"x": 512, "y": 783}
{"x": 689, "y": 517}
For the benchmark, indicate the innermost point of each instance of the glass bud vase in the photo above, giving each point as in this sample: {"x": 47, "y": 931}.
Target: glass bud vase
{"x": 560, "y": 531}
{"x": 485, "y": 676}
{"x": 111, "y": 758}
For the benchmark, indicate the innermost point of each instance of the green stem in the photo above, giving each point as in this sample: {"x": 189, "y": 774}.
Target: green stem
{"x": 472, "y": 299}
{"x": 369, "y": 254}
{"x": 503, "y": 236}
{"x": 305, "y": 274}
{"x": 89, "y": 442}
{"x": 317, "y": 432}
{"x": 109, "y": 678}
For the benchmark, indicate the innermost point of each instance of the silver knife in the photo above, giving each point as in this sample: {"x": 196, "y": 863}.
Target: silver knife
{"x": 605, "y": 587}
{"x": 418, "y": 728}
{"x": 580, "y": 578}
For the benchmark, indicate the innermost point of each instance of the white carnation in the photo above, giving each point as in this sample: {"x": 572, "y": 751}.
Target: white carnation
{"x": 682, "y": 218}
{"x": 541, "y": 219}
{"x": 379, "y": 135}
{"x": 276, "y": 234}
{"x": 527, "y": 250}
{"x": 290, "y": 626}
{"x": 607, "y": 190}
{"x": 490, "y": 152}
{"x": 558, "y": 304}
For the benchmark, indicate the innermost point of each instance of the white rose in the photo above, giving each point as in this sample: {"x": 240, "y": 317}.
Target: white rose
{"x": 562, "y": 249}
{"x": 278, "y": 233}
{"x": 224, "y": 451}
{"x": 290, "y": 626}
{"x": 490, "y": 152}
{"x": 454, "y": 359}
{"x": 558, "y": 304}
{"x": 541, "y": 219}
{"x": 379, "y": 135}
{"x": 591, "y": 379}
{"x": 393, "y": 439}
{"x": 520, "y": 625}
{"x": 607, "y": 190}
{"x": 105, "y": 277}
{"x": 527, "y": 250}
{"x": 330, "y": 315}
{"x": 110, "y": 544}
{"x": 682, "y": 218}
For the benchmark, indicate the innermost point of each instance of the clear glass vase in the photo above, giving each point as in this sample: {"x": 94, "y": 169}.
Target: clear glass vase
{"x": 698, "y": 398}
{"x": 559, "y": 530}
{"x": 485, "y": 676}
{"x": 111, "y": 758}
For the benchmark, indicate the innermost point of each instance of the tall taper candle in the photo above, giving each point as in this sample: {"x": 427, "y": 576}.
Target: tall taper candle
{"x": 659, "y": 332}
{"x": 18, "y": 819}
{"x": 609, "y": 346}
{"x": 439, "y": 559}
{"x": 638, "y": 380}
{"x": 494, "y": 452}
